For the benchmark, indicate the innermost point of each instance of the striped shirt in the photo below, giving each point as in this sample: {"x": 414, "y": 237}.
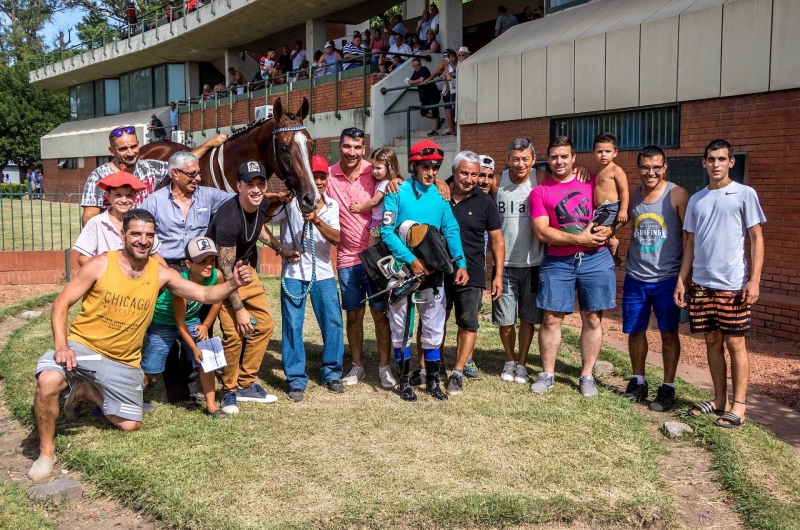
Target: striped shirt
{"x": 352, "y": 49}
{"x": 151, "y": 172}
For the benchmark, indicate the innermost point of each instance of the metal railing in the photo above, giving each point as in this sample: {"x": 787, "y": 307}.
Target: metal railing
{"x": 39, "y": 221}
{"x": 287, "y": 80}
{"x": 407, "y": 112}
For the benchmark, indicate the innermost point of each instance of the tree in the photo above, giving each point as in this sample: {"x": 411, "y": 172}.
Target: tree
{"x": 21, "y": 22}
{"x": 115, "y": 10}
{"x": 28, "y": 113}
{"x": 92, "y": 26}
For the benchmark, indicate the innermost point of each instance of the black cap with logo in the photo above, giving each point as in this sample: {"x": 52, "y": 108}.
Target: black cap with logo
{"x": 250, "y": 170}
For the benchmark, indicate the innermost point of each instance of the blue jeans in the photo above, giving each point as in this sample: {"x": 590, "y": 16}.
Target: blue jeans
{"x": 159, "y": 340}
{"x": 325, "y": 301}
{"x": 355, "y": 287}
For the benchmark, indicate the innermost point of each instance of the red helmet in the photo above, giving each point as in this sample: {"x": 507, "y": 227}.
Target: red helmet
{"x": 426, "y": 151}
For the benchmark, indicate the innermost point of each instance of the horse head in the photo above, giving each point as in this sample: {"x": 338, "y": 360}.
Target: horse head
{"x": 292, "y": 146}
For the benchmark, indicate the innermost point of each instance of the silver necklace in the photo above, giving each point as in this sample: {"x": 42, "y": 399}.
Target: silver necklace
{"x": 244, "y": 220}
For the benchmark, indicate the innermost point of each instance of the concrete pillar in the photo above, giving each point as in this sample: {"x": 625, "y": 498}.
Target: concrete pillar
{"x": 247, "y": 66}
{"x": 191, "y": 72}
{"x": 316, "y": 32}
{"x": 451, "y": 27}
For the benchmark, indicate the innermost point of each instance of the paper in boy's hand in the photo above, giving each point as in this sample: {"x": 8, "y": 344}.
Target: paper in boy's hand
{"x": 213, "y": 354}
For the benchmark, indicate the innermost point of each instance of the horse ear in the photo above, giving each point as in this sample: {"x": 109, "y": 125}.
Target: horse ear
{"x": 277, "y": 110}
{"x": 303, "y": 111}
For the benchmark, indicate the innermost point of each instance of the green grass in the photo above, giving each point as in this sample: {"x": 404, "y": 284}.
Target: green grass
{"x": 27, "y": 304}
{"x": 496, "y": 456}
{"x": 16, "y": 512}
{"x": 760, "y": 472}
{"x": 38, "y": 225}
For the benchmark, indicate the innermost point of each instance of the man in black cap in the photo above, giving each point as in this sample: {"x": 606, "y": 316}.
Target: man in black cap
{"x": 245, "y": 317}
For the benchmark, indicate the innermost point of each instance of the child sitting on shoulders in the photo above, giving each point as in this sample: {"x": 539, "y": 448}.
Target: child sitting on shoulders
{"x": 611, "y": 189}
{"x": 384, "y": 170}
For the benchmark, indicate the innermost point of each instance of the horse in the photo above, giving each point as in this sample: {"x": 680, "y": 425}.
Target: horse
{"x": 281, "y": 143}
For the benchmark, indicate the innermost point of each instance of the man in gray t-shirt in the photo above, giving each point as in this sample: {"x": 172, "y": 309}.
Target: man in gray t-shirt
{"x": 524, "y": 254}
{"x": 722, "y": 291}
{"x": 652, "y": 265}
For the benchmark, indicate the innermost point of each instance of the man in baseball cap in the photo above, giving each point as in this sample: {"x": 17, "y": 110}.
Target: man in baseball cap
{"x": 486, "y": 176}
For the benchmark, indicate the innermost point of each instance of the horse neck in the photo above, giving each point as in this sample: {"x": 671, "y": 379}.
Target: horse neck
{"x": 255, "y": 144}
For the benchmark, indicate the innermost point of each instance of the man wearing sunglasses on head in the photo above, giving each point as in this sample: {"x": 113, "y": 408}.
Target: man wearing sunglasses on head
{"x": 124, "y": 150}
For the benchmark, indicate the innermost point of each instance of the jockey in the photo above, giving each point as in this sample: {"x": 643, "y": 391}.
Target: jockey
{"x": 418, "y": 200}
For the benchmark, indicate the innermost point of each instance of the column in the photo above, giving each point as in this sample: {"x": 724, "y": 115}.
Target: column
{"x": 316, "y": 33}
{"x": 451, "y": 27}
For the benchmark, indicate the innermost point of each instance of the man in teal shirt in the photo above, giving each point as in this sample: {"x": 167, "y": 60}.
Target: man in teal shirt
{"x": 418, "y": 200}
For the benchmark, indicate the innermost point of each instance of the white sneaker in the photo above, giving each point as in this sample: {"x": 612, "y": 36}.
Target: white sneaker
{"x": 521, "y": 375}
{"x": 355, "y": 375}
{"x": 387, "y": 377}
{"x": 507, "y": 374}
{"x": 42, "y": 468}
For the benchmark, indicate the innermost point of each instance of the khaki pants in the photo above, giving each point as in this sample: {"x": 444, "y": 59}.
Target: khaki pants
{"x": 244, "y": 356}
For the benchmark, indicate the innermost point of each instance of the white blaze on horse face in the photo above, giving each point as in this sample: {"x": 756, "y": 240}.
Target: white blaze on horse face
{"x": 301, "y": 141}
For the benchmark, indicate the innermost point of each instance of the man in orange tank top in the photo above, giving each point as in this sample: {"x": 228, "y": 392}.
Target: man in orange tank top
{"x": 101, "y": 354}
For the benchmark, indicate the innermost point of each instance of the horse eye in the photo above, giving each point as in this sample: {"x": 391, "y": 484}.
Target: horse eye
{"x": 284, "y": 148}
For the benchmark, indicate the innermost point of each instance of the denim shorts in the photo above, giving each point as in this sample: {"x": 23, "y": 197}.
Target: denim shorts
{"x": 638, "y": 298}
{"x": 158, "y": 342}
{"x": 591, "y": 273}
{"x": 354, "y": 283}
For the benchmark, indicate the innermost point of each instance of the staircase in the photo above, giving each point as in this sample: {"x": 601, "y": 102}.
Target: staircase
{"x": 449, "y": 145}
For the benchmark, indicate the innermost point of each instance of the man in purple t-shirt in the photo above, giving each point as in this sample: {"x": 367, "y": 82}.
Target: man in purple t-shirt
{"x": 561, "y": 211}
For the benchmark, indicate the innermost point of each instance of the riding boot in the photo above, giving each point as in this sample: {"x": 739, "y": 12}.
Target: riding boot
{"x": 432, "y": 381}
{"x": 406, "y": 390}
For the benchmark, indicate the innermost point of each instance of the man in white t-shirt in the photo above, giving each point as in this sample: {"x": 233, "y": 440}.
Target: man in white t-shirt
{"x": 434, "y": 18}
{"x": 398, "y": 47}
{"x": 311, "y": 274}
{"x": 298, "y": 55}
{"x": 721, "y": 290}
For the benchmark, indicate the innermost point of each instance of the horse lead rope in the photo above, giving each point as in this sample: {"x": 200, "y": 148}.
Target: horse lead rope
{"x": 307, "y": 234}
{"x": 308, "y": 229}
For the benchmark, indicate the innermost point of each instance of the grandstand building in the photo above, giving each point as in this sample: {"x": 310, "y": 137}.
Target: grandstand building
{"x": 674, "y": 73}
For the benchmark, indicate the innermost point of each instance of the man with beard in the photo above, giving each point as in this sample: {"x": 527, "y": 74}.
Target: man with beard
{"x": 561, "y": 211}
{"x": 124, "y": 149}
{"x": 100, "y": 356}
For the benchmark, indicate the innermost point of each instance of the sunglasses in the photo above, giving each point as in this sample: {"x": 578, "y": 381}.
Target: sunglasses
{"x": 191, "y": 175}
{"x": 428, "y": 151}
{"x": 119, "y": 131}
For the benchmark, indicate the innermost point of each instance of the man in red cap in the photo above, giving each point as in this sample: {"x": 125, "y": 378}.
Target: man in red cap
{"x": 104, "y": 232}
{"x": 418, "y": 201}
{"x": 124, "y": 150}
{"x": 310, "y": 274}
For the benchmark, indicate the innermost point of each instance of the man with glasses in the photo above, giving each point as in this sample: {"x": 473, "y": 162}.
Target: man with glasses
{"x": 124, "y": 149}
{"x": 653, "y": 263}
{"x": 351, "y": 181}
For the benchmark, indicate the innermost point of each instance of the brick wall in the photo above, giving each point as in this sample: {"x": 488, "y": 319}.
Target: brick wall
{"x": 763, "y": 126}
{"x": 66, "y": 180}
{"x": 35, "y": 266}
{"x": 351, "y": 96}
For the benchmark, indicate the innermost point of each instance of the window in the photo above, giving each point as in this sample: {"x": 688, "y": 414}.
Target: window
{"x": 67, "y": 163}
{"x": 633, "y": 129}
{"x": 558, "y": 5}
{"x": 160, "y": 85}
{"x": 100, "y": 160}
{"x": 112, "y": 96}
{"x": 73, "y": 103}
{"x": 124, "y": 93}
{"x": 689, "y": 173}
{"x": 141, "y": 89}
{"x": 99, "y": 98}
{"x": 176, "y": 82}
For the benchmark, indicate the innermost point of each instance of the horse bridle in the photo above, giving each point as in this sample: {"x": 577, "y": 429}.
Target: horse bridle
{"x": 290, "y": 128}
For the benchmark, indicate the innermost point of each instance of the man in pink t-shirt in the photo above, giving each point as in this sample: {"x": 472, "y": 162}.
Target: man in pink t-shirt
{"x": 351, "y": 181}
{"x": 561, "y": 211}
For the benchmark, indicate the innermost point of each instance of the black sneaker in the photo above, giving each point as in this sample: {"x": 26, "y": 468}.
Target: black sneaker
{"x": 296, "y": 395}
{"x": 455, "y": 385}
{"x": 635, "y": 392}
{"x": 335, "y": 386}
{"x": 415, "y": 379}
{"x": 665, "y": 399}
{"x": 433, "y": 133}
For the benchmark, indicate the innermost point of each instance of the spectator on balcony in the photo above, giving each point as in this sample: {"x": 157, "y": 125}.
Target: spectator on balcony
{"x": 430, "y": 45}
{"x": 378, "y": 45}
{"x": 298, "y": 55}
{"x": 413, "y": 42}
{"x": 237, "y": 79}
{"x": 353, "y": 51}
{"x": 174, "y": 120}
{"x": 328, "y": 59}
{"x": 427, "y": 91}
{"x": 395, "y": 26}
{"x": 366, "y": 42}
{"x": 157, "y": 127}
{"x": 424, "y": 24}
{"x": 192, "y": 5}
{"x": 505, "y": 21}
{"x": 285, "y": 61}
{"x": 208, "y": 94}
{"x": 392, "y": 60}
{"x": 318, "y": 57}
{"x": 219, "y": 88}
{"x": 434, "y": 12}
{"x": 132, "y": 14}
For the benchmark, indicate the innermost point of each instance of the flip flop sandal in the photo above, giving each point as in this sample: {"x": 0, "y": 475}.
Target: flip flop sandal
{"x": 734, "y": 421}
{"x": 704, "y": 407}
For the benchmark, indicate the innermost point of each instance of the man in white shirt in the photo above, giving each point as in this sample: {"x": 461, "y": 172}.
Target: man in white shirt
{"x": 398, "y": 47}
{"x": 434, "y": 11}
{"x": 311, "y": 274}
{"x": 298, "y": 55}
